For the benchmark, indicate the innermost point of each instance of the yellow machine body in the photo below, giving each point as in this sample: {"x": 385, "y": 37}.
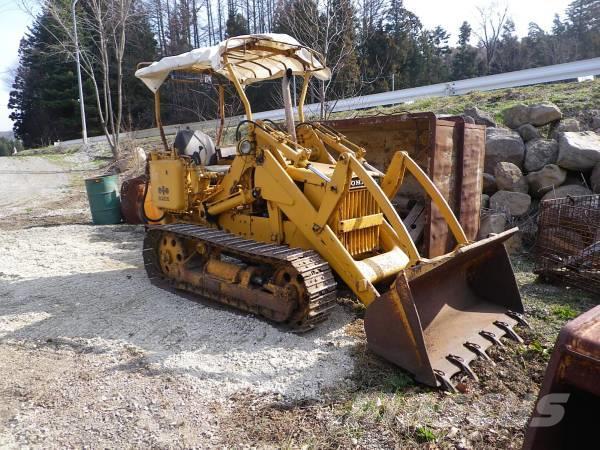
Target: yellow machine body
{"x": 311, "y": 188}
{"x": 168, "y": 184}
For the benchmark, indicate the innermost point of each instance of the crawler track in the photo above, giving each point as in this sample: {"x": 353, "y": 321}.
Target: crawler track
{"x": 317, "y": 293}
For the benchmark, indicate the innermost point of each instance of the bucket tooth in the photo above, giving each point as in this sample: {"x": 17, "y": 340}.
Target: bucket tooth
{"x": 508, "y": 330}
{"x": 444, "y": 381}
{"x": 460, "y": 362}
{"x": 519, "y": 318}
{"x": 491, "y": 337}
{"x": 476, "y": 348}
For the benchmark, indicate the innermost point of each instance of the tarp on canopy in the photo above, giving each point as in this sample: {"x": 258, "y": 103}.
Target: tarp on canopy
{"x": 253, "y": 58}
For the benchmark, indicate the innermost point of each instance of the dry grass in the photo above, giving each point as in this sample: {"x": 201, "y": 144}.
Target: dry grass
{"x": 383, "y": 407}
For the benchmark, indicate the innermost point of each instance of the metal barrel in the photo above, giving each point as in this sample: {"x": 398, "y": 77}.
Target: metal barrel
{"x": 132, "y": 197}
{"x": 104, "y": 200}
{"x": 440, "y": 315}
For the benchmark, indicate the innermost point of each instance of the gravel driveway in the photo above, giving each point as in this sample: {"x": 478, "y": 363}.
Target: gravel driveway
{"x": 80, "y": 325}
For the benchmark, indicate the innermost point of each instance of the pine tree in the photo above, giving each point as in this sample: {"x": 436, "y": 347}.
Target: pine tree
{"x": 464, "y": 63}
{"x": 141, "y": 46}
{"x": 584, "y": 25}
{"x": 508, "y": 52}
{"x": 45, "y": 96}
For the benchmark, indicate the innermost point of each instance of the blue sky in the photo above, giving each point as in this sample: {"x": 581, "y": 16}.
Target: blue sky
{"x": 450, "y": 14}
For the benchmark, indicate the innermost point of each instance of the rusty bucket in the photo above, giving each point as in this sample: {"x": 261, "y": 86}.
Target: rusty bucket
{"x": 440, "y": 315}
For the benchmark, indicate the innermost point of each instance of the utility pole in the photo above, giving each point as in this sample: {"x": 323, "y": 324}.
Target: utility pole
{"x": 81, "y": 104}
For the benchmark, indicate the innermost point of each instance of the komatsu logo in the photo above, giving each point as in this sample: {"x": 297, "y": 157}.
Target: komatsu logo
{"x": 356, "y": 183}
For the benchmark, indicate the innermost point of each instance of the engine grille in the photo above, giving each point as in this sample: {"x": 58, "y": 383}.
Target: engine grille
{"x": 358, "y": 202}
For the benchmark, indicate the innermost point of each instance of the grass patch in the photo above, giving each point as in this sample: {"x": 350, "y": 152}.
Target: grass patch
{"x": 564, "y": 312}
{"x": 425, "y": 434}
{"x": 569, "y": 97}
{"x": 398, "y": 381}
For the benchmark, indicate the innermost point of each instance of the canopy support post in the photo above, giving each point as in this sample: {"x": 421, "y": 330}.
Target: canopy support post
{"x": 303, "y": 97}
{"x": 158, "y": 121}
{"x": 287, "y": 103}
{"x": 221, "y": 114}
{"x": 240, "y": 91}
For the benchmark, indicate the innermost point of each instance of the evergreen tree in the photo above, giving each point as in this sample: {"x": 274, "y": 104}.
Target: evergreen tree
{"x": 508, "y": 52}
{"x": 341, "y": 53}
{"x": 45, "y": 95}
{"x": 141, "y": 46}
{"x": 584, "y": 25}
{"x": 464, "y": 63}
{"x": 404, "y": 29}
{"x": 236, "y": 24}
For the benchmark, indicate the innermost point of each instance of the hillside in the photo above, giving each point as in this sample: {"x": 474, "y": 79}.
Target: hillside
{"x": 572, "y": 98}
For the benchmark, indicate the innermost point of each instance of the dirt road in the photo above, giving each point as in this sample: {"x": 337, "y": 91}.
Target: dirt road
{"x": 35, "y": 190}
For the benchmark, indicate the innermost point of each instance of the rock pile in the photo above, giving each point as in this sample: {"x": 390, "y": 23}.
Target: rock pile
{"x": 540, "y": 156}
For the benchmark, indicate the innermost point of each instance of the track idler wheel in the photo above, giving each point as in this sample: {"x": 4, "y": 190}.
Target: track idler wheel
{"x": 171, "y": 256}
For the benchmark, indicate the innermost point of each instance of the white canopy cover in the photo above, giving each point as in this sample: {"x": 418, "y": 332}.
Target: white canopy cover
{"x": 253, "y": 58}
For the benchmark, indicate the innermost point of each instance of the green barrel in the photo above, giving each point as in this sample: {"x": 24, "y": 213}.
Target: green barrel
{"x": 105, "y": 202}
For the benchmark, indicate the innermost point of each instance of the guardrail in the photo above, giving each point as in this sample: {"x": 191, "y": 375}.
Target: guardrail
{"x": 557, "y": 72}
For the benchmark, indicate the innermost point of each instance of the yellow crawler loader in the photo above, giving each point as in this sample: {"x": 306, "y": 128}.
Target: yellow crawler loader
{"x": 272, "y": 226}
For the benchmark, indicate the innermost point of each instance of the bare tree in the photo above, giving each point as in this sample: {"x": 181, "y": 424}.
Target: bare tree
{"x": 492, "y": 20}
{"x": 103, "y": 26}
{"x": 323, "y": 26}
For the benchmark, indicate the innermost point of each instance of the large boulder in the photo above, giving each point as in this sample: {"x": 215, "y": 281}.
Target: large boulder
{"x": 489, "y": 184}
{"x": 543, "y": 113}
{"x": 528, "y": 132}
{"x": 570, "y": 124}
{"x": 510, "y": 178}
{"x": 480, "y": 117}
{"x": 512, "y": 203}
{"x": 578, "y": 150}
{"x": 595, "y": 179}
{"x": 516, "y": 115}
{"x": 572, "y": 190}
{"x": 544, "y": 180}
{"x": 540, "y": 153}
{"x": 491, "y": 223}
{"x": 503, "y": 145}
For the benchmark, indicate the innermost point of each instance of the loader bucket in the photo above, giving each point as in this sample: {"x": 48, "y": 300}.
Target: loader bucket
{"x": 439, "y": 316}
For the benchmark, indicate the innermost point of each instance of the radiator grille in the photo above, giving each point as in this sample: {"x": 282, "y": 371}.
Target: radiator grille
{"x": 358, "y": 202}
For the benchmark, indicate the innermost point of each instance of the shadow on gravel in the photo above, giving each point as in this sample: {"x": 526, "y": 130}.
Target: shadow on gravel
{"x": 112, "y": 310}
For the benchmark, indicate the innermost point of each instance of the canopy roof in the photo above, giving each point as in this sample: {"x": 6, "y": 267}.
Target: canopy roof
{"x": 253, "y": 58}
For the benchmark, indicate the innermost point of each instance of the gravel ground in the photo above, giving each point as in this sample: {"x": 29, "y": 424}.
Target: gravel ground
{"x": 76, "y": 300}
{"x": 39, "y": 191}
{"x": 25, "y": 183}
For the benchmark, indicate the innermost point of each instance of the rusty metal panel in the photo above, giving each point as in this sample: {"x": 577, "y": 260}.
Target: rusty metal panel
{"x": 472, "y": 178}
{"x": 574, "y": 372}
{"x": 442, "y": 171}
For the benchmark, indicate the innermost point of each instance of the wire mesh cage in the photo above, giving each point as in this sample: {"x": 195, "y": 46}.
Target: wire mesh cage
{"x": 568, "y": 243}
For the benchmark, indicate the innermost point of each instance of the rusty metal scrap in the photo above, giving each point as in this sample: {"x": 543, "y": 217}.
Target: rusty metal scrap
{"x": 566, "y": 412}
{"x": 568, "y": 243}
